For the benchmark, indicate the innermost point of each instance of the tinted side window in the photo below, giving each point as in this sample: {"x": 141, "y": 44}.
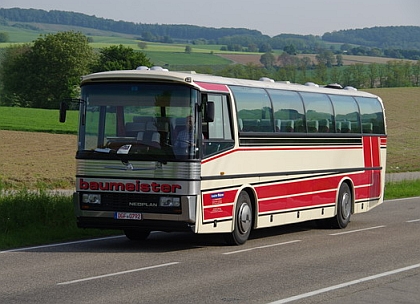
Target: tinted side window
{"x": 319, "y": 113}
{"x": 254, "y": 109}
{"x": 371, "y": 115}
{"x": 347, "y": 118}
{"x": 288, "y": 111}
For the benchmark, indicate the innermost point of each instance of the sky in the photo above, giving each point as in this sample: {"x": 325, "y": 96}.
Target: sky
{"x": 271, "y": 17}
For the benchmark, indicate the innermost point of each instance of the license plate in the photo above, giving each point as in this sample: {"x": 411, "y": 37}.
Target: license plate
{"x": 127, "y": 216}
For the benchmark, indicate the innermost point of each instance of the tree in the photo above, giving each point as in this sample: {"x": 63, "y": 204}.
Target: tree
{"x": 416, "y": 73}
{"x": 290, "y": 49}
{"x": 142, "y": 45}
{"x": 49, "y": 70}
{"x": 326, "y": 57}
{"x": 188, "y": 49}
{"x": 339, "y": 59}
{"x": 12, "y": 69}
{"x": 373, "y": 73}
{"x": 321, "y": 73}
{"x": 356, "y": 75}
{"x": 119, "y": 57}
{"x": 4, "y": 37}
{"x": 267, "y": 60}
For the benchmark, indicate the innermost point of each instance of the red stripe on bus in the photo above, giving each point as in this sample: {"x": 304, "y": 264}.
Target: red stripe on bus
{"x": 213, "y": 86}
{"x": 293, "y": 188}
{"x": 301, "y": 201}
{"x": 375, "y": 151}
{"x": 367, "y": 151}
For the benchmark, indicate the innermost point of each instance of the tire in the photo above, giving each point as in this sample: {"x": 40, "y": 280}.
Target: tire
{"x": 344, "y": 202}
{"x": 243, "y": 221}
{"x": 136, "y": 234}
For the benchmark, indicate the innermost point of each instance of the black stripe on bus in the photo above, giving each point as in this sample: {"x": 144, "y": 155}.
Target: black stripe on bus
{"x": 326, "y": 172}
{"x": 295, "y": 141}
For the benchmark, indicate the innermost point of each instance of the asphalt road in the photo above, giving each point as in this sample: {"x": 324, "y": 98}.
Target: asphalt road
{"x": 376, "y": 259}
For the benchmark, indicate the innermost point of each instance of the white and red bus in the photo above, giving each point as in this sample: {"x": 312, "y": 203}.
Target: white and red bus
{"x": 171, "y": 151}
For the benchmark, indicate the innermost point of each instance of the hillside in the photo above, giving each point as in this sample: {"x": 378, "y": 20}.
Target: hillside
{"x": 137, "y": 29}
{"x": 391, "y": 37}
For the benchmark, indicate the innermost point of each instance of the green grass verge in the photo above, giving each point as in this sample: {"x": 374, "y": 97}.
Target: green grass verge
{"x": 37, "y": 120}
{"x": 406, "y": 188}
{"x": 33, "y": 218}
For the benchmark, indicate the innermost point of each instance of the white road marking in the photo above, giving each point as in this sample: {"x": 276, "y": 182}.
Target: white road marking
{"x": 402, "y": 199}
{"x": 117, "y": 273}
{"x": 261, "y": 247}
{"x": 63, "y": 244}
{"x": 357, "y": 230}
{"x": 413, "y": 221}
{"x": 334, "y": 287}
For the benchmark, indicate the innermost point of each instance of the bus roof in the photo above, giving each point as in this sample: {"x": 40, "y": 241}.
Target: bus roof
{"x": 220, "y": 83}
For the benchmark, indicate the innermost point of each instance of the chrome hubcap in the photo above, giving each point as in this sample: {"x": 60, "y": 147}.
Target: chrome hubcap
{"x": 345, "y": 205}
{"x": 244, "y": 220}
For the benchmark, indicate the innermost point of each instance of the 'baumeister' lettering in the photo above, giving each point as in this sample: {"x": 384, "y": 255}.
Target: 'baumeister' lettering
{"x": 137, "y": 186}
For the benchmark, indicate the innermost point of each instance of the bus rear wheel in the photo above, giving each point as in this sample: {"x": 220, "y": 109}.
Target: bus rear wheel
{"x": 243, "y": 221}
{"x": 136, "y": 234}
{"x": 342, "y": 219}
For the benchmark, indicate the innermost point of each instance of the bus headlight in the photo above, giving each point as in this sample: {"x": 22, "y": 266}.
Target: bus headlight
{"x": 167, "y": 201}
{"x": 91, "y": 198}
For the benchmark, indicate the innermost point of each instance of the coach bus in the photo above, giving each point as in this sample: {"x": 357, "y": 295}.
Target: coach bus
{"x": 177, "y": 151}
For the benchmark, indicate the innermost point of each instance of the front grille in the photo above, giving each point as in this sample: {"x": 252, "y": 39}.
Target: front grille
{"x": 129, "y": 202}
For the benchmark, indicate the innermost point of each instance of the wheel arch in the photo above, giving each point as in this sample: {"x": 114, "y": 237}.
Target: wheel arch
{"x": 347, "y": 180}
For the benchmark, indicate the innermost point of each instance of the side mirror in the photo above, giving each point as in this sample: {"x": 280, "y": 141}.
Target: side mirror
{"x": 63, "y": 111}
{"x": 209, "y": 112}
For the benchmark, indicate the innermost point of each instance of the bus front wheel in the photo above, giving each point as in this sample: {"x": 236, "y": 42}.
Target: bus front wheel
{"x": 243, "y": 221}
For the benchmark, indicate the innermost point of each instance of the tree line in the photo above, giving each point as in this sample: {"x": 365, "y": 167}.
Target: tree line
{"x": 391, "y": 37}
{"x": 329, "y": 68}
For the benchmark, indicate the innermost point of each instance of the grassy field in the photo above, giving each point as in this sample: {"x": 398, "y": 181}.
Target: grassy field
{"x": 402, "y": 109}
{"x": 37, "y": 120}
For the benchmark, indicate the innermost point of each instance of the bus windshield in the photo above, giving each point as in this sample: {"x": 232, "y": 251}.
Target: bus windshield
{"x": 140, "y": 119}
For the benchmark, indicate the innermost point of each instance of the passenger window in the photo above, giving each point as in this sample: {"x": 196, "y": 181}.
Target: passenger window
{"x": 319, "y": 113}
{"x": 347, "y": 118}
{"x": 371, "y": 115}
{"x": 288, "y": 111}
{"x": 254, "y": 109}
{"x": 218, "y": 134}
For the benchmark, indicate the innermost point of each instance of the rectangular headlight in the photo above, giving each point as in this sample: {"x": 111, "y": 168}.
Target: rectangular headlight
{"x": 91, "y": 198}
{"x": 167, "y": 201}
